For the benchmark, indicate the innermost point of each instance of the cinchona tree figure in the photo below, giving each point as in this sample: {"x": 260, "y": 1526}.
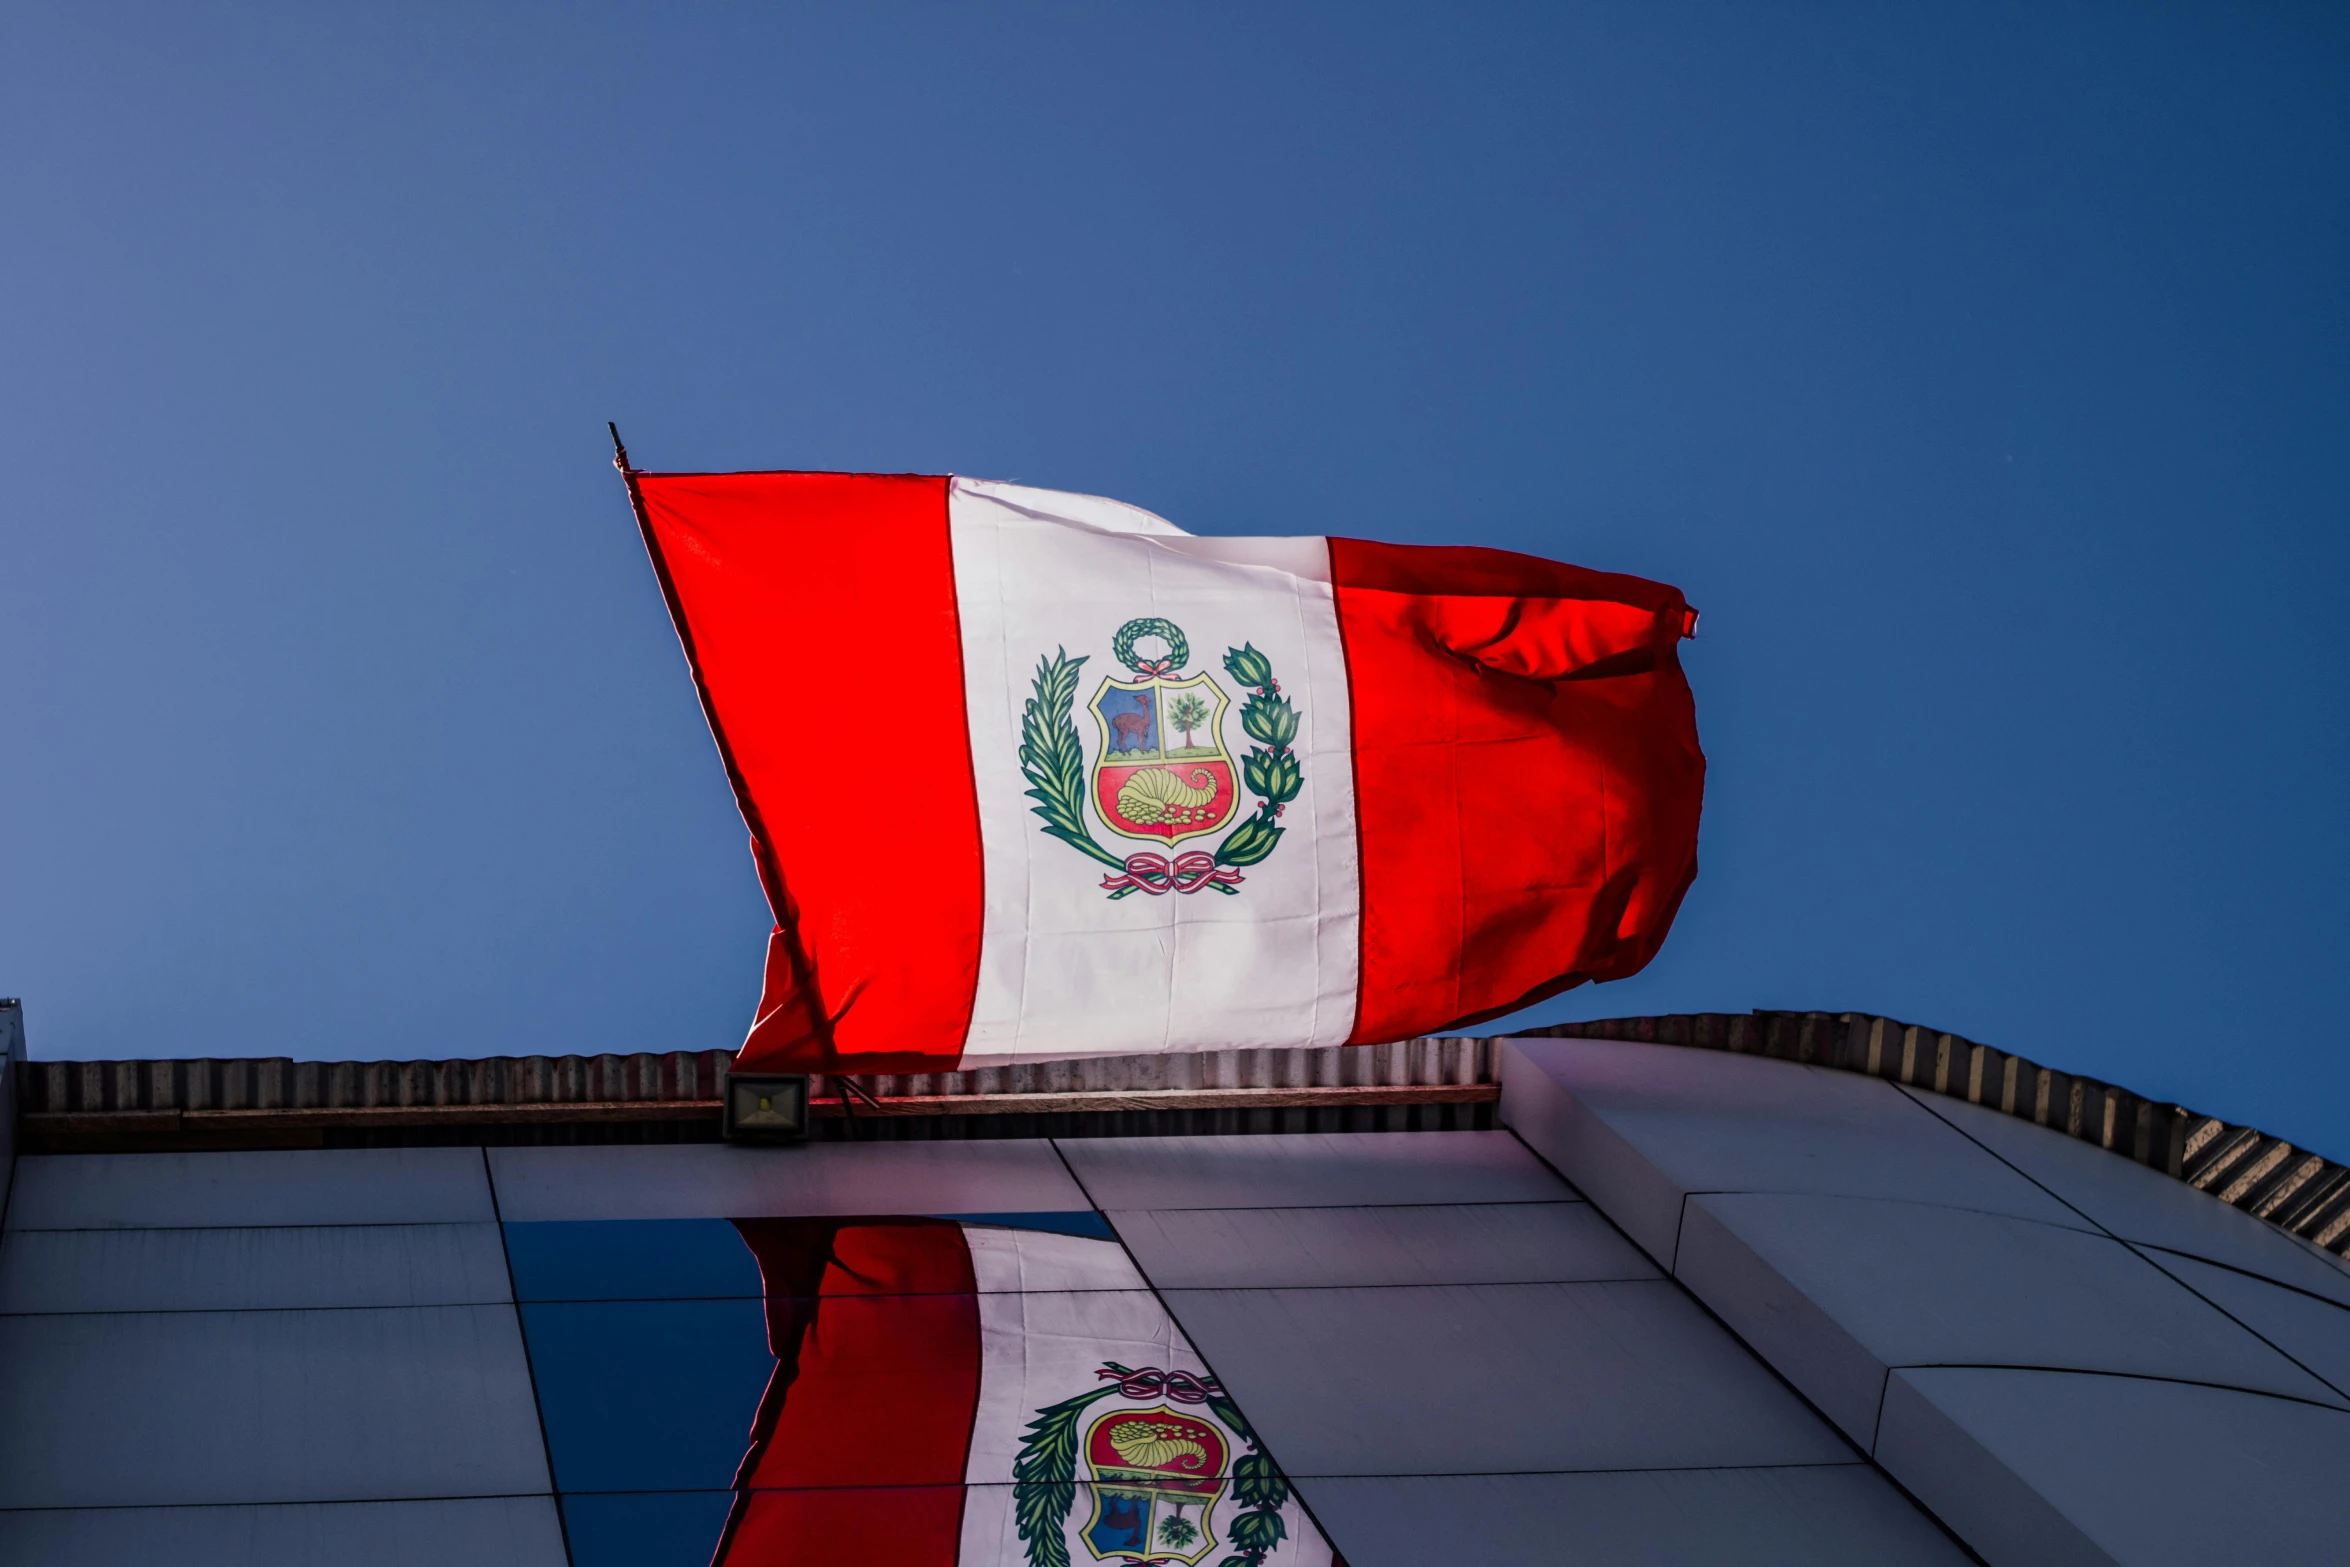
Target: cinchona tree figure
{"x": 1189, "y": 712}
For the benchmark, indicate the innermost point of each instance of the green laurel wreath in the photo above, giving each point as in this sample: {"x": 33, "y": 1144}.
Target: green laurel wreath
{"x": 1178, "y": 645}
{"x": 1054, "y": 764}
{"x": 1044, "y": 1480}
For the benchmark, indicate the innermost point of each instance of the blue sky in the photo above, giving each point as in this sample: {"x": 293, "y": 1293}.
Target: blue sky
{"x": 1981, "y": 371}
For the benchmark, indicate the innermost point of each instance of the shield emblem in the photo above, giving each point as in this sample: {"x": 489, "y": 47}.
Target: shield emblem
{"x": 1156, "y": 1477}
{"x": 1163, "y": 773}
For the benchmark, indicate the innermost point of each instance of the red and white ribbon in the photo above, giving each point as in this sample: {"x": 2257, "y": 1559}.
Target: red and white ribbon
{"x": 1189, "y": 872}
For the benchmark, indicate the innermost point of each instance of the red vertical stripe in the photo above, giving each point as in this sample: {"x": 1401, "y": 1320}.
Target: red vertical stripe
{"x": 1527, "y": 777}
{"x": 861, "y": 1442}
{"x": 818, "y": 611}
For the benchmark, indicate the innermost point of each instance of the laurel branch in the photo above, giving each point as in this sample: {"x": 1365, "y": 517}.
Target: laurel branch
{"x": 1045, "y": 1477}
{"x": 1259, "y": 1486}
{"x": 1271, "y": 771}
{"x": 1050, "y": 758}
{"x": 1053, "y": 762}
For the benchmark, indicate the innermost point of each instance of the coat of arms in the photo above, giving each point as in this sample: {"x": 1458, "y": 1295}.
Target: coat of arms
{"x": 1149, "y": 1467}
{"x": 1158, "y": 1475}
{"x": 1160, "y": 772}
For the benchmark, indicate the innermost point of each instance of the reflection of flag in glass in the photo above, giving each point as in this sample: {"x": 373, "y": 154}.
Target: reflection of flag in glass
{"x": 952, "y": 1395}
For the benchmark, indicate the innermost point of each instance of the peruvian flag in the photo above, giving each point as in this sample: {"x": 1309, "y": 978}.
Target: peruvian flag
{"x": 1032, "y": 775}
{"x": 950, "y": 1394}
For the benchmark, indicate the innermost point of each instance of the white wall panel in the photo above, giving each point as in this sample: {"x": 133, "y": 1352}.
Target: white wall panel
{"x": 143, "y": 1409}
{"x": 1835, "y": 1290}
{"x": 715, "y": 1180}
{"x": 1845, "y": 1516}
{"x": 2049, "y": 1391}
{"x": 1497, "y": 1377}
{"x": 503, "y": 1531}
{"x": 1313, "y": 1169}
{"x": 2310, "y": 1328}
{"x": 1638, "y": 1127}
{"x": 252, "y": 1269}
{"x": 298, "y": 1186}
{"x": 1490, "y": 1243}
{"x": 2119, "y": 1469}
{"x": 2139, "y": 1204}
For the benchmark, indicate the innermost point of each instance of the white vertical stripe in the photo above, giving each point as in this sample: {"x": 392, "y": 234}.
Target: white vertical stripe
{"x": 1066, "y": 970}
{"x": 1086, "y": 1308}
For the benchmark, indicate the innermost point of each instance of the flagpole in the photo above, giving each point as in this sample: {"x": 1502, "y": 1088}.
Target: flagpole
{"x": 748, "y": 1114}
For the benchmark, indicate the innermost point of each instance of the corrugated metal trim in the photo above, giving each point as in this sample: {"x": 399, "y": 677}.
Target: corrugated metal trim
{"x": 2301, "y": 1193}
{"x": 71, "y": 1105}
{"x": 281, "y": 1083}
{"x": 1408, "y": 1063}
{"x": 1365, "y": 1096}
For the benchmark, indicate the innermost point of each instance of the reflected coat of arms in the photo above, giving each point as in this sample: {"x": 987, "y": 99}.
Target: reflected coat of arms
{"x": 1148, "y": 1467}
{"x": 1158, "y": 1476}
{"x": 1160, "y": 770}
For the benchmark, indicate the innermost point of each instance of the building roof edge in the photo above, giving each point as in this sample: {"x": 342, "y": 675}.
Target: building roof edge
{"x": 2302, "y": 1193}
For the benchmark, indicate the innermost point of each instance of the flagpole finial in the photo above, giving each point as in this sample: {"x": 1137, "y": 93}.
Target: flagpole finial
{"x": 619, "y": 452}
